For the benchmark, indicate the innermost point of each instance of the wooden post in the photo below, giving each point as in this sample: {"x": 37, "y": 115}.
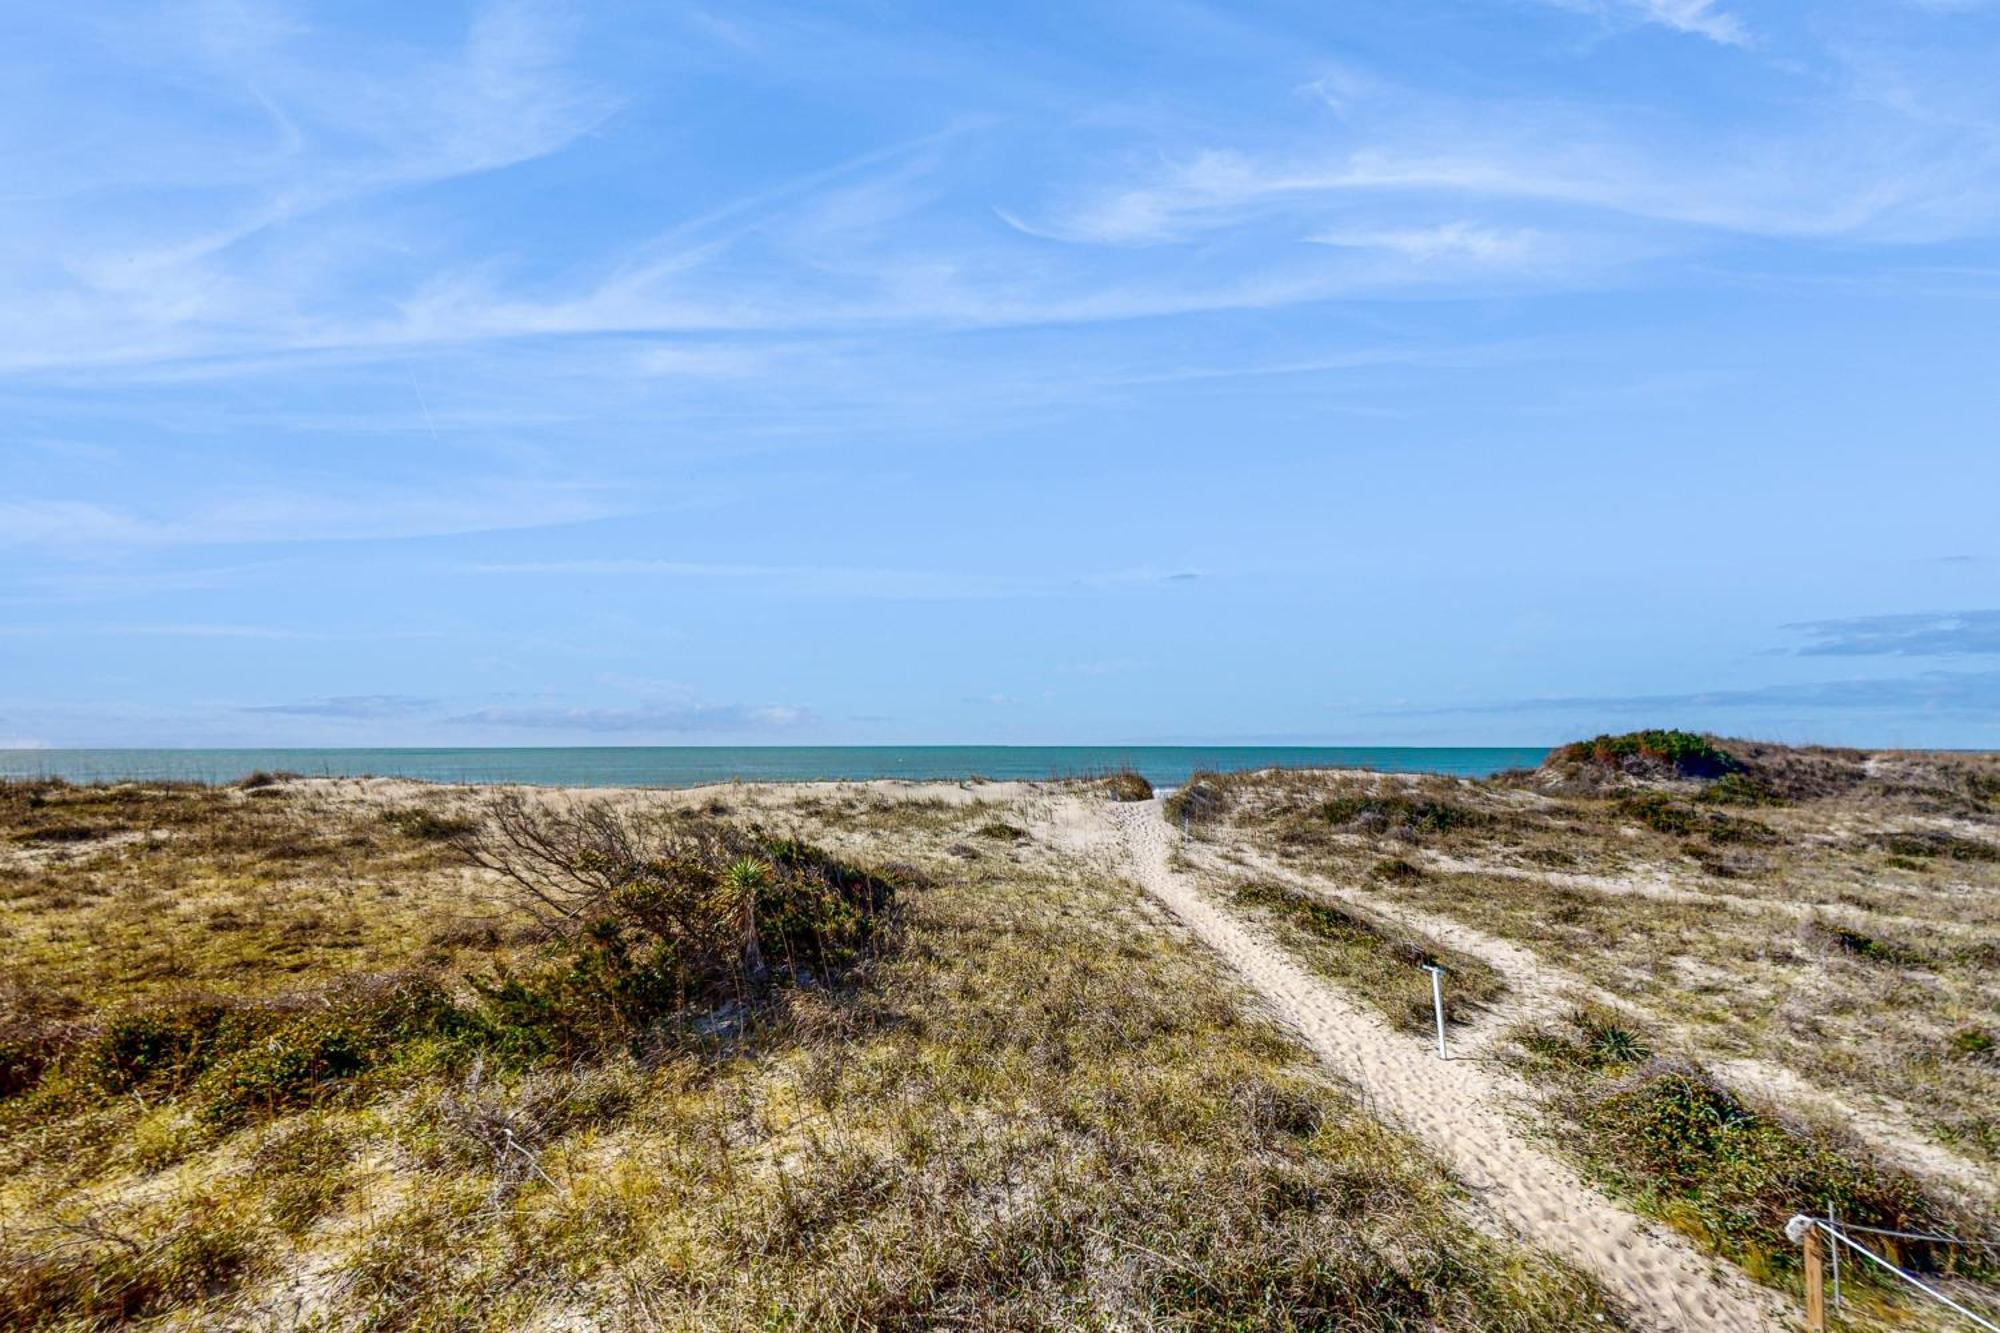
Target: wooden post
{"x": 1815, "y": 1285}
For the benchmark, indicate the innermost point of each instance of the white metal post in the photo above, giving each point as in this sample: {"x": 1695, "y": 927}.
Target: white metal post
{"x": 1437, "y": 1002}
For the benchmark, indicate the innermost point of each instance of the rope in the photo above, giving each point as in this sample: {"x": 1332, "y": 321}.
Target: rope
{"x": 1913, "y": 1280}
{"x": 536, "y": 1162}
{"x": 1918, "y": 1235}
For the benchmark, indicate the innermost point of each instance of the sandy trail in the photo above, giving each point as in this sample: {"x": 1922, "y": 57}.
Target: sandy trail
{"x": 1539, "y": 992}
{"x": 1536, "y": 993}
{"x": 1455, "y": 1107}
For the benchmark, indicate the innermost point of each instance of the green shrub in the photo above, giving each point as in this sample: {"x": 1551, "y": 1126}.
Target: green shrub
{"x": 1733, "y": 1175}
{"x": 426, "y": 825}
{"x": 62, "y": 833}
{"x": 1661, "y": 813}
{"x": 1868, "y": 947}
{"x": 1592, "y": 1039}
{"x": 23, "y": 1057}
{"x": 169, "y": 1044}
{"x": 818, "y": 911}
{"x": 1414, "y": 815}
{"x": 1738, "y": 789}
{"x": 37, "y": 1024}
{"x": 291, "y": 1067}
{"x": 682, "y": 936}
{"x": 1666, "y": 814}
{"x": 313, "y": 1053}
{"x": 1691, "y": 1151}
{"x": 1933, "y": 843}
{"x": 1126, "y": 785}
{"x": 714, "y": 918}
{"x": 1975, "y": 1042}
{"x": 1687, "y": 754}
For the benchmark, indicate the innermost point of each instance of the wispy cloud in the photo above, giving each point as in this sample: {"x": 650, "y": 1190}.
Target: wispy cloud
{"x": 1446, "y": 240}
{"x": 1958, "y": 693}
{"x": 271, "y": 632}
{"x": 1930, "y": 634}
{"x": 278, "y": 126}
{"x": 358, "y": 707}
{"x": 270, "y": 516}
{"x": 1858, "y": 185}
{"x": 1700, "y": 18}
{"x": 288, "y": 174}
{"x": 667, "y": 718}
{"x": 837, "y": 582}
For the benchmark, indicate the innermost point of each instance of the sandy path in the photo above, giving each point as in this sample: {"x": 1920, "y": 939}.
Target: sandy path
{"x": 1540, "y": 992}
{"x": 1536, "y": 992}
{"x": 1455, "y": 1107}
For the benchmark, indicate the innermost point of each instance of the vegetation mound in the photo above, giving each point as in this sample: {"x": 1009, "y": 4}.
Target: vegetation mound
{"x": 1719, "y": 1167}
{"x": 1126, "y": 784}
{"x": 1397, "y": 815}
{"x": 1203, "y": 799}
{"x": 649, "y": 929}
{"x": 1681, "y": 754}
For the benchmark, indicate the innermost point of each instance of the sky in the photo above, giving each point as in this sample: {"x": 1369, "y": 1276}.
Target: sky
{"x": 1468, "y": 372}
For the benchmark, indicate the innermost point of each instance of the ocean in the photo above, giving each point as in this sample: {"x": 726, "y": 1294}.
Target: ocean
{"x": 690, "y": 765}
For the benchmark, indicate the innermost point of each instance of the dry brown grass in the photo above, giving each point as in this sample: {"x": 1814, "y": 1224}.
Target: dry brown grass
{"x": 1833, "y": 914}
{"x": 1040, "y": 1109}
{"x": 1851, "y": 935}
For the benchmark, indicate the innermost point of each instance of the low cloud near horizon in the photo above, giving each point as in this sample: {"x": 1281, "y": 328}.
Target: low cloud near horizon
{"x": 1974, "y": 694}
{"x": 679, "y": 719}
{"x": 355, "y": 706}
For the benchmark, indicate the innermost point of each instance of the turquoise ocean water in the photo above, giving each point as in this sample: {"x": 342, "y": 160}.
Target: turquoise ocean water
{"x": 687, "y": 765}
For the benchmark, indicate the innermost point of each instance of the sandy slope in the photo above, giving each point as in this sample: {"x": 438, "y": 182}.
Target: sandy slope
{"x": 1456, "y": 1107}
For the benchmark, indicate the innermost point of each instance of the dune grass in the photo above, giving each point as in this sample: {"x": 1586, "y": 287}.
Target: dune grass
{"x": 1845, "y": 924}
{"x": 1830, "y": 915}
{"x": 1372, "y": 959}
{"x": 1032, "y": 1107}
{"x": 1727, "y": 1169}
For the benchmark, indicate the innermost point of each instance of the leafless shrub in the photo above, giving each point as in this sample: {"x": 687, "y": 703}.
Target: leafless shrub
{"x": 564, "y": 862}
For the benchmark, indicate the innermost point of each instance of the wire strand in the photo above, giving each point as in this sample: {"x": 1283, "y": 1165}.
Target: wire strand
{"x": 1927, "y": 1290}
{"x": 1918, "y": 1235}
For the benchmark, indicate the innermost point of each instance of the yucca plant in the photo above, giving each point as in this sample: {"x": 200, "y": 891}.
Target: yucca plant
{"x": 746, "y": 878}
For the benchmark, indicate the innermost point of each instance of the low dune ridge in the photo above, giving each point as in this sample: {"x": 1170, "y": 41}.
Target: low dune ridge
{"x": 382, "y": 1052}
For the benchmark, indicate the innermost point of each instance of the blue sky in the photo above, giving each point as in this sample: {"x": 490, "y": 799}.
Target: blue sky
{"x": 1482, "y": 372}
